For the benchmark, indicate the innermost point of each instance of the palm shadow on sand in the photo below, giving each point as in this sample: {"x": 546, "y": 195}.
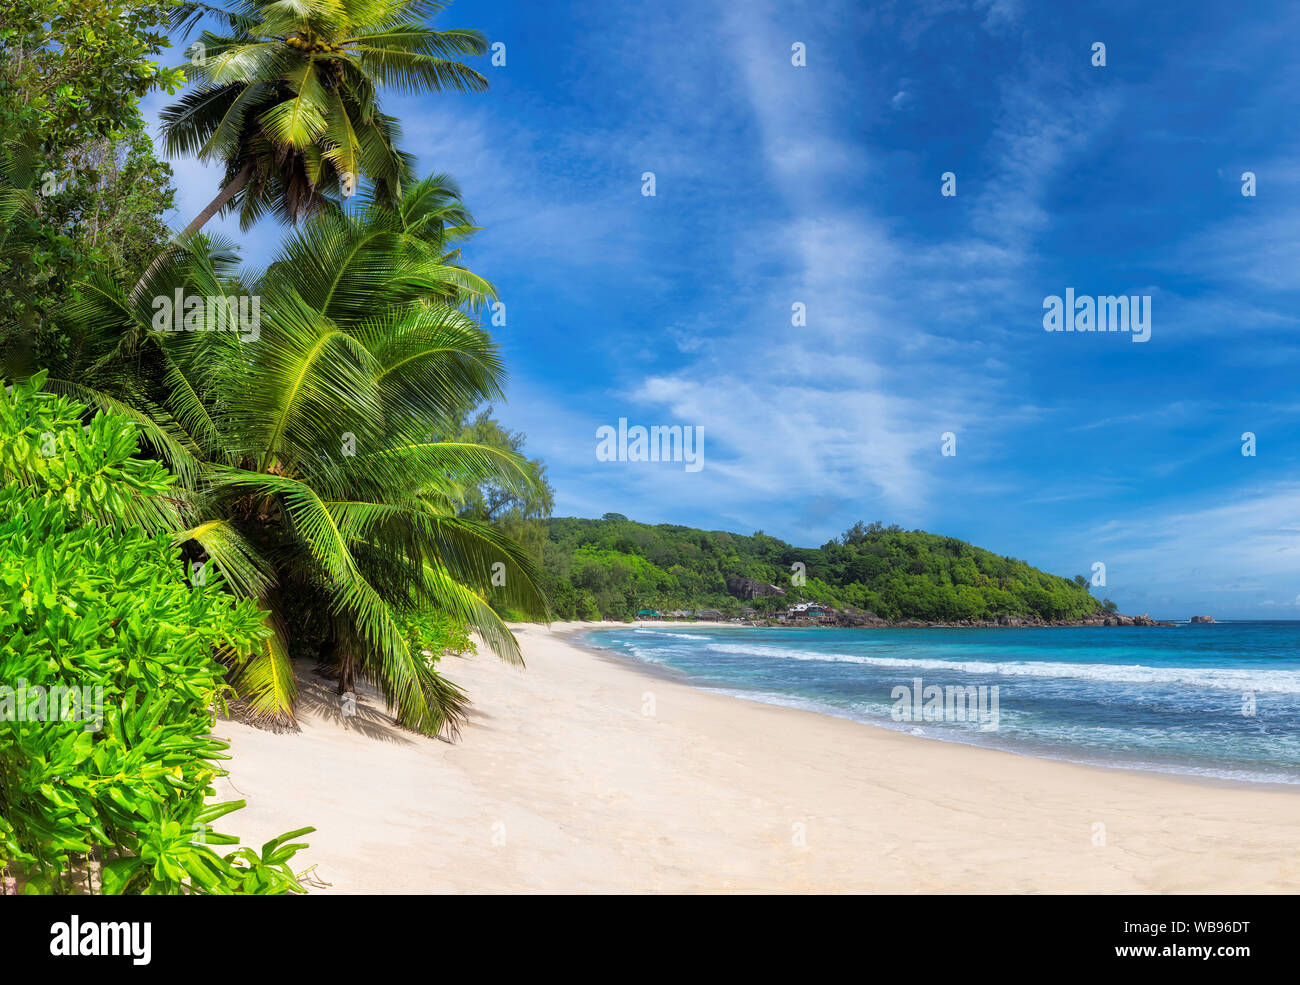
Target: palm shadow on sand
{"x": 320, "y": 699}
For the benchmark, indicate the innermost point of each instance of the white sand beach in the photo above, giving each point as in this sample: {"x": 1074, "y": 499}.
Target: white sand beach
{"x": 581, "y": 774}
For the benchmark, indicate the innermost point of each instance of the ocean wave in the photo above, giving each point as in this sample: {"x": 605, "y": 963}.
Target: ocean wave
{"x": 676, "y": 636}
{"x": 1059, "y": 743}
{"x": 649, "y": 657}
{"x": 1220, "y": 678}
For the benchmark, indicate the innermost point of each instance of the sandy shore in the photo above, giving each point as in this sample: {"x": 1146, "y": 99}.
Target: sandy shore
{"x": 581, "y": 774}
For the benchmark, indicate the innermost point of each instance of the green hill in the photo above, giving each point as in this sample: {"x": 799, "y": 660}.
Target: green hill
{"x": 614, "y": 567}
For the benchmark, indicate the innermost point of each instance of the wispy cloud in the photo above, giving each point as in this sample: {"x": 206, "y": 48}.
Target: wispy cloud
{"x": 1206, "y": 551}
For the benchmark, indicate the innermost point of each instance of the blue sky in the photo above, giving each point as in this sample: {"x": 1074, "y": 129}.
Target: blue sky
{"x": 820, "y": 184}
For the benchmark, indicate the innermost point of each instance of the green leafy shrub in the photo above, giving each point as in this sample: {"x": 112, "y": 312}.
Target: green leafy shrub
{"x": 104, "y": 787}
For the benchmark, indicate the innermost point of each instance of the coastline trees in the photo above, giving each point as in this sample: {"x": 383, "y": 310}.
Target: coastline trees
{"x": 519, "y": 513}
{"x": 303, "y": 441}
{"x": 80, "y": 185}
{"x": 894, "y": 573}
{"x": 308, "y": 474}
{"x": 311, "y": 416}
{"x": 287, "y": 99}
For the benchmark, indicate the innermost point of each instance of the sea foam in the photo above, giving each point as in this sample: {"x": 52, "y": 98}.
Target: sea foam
{"x": 1222, "y": 678}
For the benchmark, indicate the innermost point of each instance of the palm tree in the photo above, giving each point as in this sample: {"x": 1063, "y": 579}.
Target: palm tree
{"x": 307, "y": 469}
{"x": 287, "y": 98}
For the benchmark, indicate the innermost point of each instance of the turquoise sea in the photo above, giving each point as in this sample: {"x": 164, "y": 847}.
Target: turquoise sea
{"x": 1220, "y": 700}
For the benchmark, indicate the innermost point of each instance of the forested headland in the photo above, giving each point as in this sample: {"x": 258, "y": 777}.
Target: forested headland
{"x": 613, "y": 568}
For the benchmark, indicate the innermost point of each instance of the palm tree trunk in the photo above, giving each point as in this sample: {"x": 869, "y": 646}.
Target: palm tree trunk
{"x": 347, "y": 673}
{"x": 220, "y": 202}
{"x": 216, "y": 205}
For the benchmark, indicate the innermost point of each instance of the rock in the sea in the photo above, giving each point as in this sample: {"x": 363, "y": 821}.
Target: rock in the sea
{"x": 1146, "y": 620}
{"x": 1202, "y": 618}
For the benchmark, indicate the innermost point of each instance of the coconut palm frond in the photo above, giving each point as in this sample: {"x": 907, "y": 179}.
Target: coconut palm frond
{"x": 286, "y": 96}
{"x": 264, "y": 679}
{"x": 308, "y": 440}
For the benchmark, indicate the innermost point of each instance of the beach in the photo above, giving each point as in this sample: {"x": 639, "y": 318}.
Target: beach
{"x": 584, "y": 774}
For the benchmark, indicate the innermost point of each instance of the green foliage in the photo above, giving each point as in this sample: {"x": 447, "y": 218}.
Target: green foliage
{"x": 287, "y": 97}
{"x": 307, "y": 471}
{"x": 435, "y": 634}
{"x": 99, "y": 207}
{"x": 80, "y": 185}
{"x": 109, "y": 792}
{"x": 621, "y": 567}
{"x": 73, "y": 70}
{"x": 515, "y": 510}
{"x": 430, "y": 635}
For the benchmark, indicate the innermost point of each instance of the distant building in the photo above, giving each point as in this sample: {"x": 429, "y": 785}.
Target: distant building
{"x": 647, "y": 614}
{"x": 809, "y": 610}
{"x": 708, "y": 614}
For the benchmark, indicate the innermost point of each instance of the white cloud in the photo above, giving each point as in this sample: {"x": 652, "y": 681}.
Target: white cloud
{"x": 1206, "y": 549}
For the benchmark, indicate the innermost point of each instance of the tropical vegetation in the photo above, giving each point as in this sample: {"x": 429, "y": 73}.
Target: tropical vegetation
{"x": 107, "y": 759}
{"x": 80, "y": 185}
{"x": 613, "y": 568}
{"x": 283, "y": 465}
{"x": 306, "y": 445}
{"x": 287, "y": 99}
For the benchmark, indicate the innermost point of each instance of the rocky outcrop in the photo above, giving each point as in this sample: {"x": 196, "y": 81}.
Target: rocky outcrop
{"x": 1202, "y": 618}
{"x": 854, "y": 619}
{"x": 747, "y": 589}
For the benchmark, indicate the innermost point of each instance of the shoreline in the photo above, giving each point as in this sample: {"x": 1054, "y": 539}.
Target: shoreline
{"x": 586, "y": 775}
{"x": 664, "y": 672}
{"x": 572, "y": 625}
